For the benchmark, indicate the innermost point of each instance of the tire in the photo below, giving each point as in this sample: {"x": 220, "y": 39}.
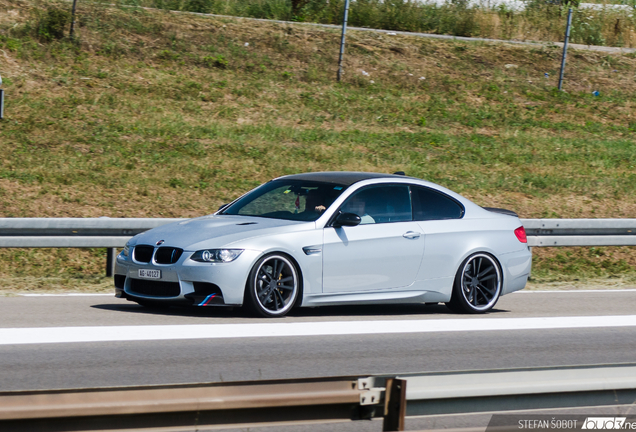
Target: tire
{"x": 477, "y": 285}
{"x": 274, "y": 286}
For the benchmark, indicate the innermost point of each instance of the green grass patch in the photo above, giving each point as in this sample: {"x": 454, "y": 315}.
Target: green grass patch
{"x": 149, "y": 114}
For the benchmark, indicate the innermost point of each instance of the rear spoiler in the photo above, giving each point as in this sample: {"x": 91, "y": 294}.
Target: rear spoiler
{"x": 502, "y": 211}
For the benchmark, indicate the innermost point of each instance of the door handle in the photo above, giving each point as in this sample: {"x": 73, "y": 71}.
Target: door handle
{"x": 411, "y": 235}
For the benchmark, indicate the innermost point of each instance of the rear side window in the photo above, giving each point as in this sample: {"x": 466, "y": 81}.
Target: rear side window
{"x": 429, "y": 204}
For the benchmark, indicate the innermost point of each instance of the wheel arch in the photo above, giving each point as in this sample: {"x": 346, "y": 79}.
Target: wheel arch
{"x": 288, "y": 255}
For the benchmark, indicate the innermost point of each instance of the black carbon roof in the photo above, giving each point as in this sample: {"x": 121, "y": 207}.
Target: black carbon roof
{"x": 345, "y": 178}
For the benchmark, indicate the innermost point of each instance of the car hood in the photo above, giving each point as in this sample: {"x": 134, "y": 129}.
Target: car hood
{"x": 215, "y": 231}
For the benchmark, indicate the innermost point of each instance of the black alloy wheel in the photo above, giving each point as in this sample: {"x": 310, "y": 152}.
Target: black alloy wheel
{"x": 273, "y": 286}
{"x": 477, "y": 285}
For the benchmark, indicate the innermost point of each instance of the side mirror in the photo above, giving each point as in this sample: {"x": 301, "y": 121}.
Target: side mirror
{"x": 346, "y": 219}
{"x": 222, "y": 207}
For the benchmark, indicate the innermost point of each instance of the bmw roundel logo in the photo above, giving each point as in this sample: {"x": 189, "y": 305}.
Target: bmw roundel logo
{"x": 160, "y": 242}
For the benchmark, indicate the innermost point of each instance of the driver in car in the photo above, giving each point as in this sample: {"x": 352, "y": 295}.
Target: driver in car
{"x": 313, "y": 206}
{"x": 357, "y": 205}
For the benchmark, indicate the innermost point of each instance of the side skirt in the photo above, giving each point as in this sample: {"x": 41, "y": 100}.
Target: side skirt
{"x": 367, "y": 298}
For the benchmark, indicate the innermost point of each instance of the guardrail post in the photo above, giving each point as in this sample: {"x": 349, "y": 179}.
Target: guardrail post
{"x": 394, "y": 405}
{"x": 111, "y": 253}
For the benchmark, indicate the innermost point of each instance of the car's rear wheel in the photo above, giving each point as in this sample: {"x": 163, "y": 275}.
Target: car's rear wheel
{"x": 273, "y": 286}
{"x": 477, "y": 285}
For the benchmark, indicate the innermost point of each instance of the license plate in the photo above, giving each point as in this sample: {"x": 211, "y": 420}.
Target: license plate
{"x": 150, "y": 274}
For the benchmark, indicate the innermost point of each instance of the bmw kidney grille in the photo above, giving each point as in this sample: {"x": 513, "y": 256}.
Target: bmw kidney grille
{"x": 164, "y": 255}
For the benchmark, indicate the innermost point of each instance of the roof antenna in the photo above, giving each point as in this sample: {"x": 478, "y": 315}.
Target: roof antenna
{"x": 400, "y": 173}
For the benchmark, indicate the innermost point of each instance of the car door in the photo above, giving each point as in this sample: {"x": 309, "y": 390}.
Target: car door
{"x": 440, "y": 217}
{"x": 383, "y": 252}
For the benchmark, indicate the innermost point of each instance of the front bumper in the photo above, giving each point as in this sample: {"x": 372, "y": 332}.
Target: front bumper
{"x": 185, "y": 282}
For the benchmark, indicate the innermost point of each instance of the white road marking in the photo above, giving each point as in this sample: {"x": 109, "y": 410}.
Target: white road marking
{"x": 69, "y": 295}
{"x": 579, "y": 291}
{"x": 44, "y": 335}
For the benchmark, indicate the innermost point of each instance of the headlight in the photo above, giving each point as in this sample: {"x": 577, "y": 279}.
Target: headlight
{"x": 216, "y": 255}
{"x": 126, "y": 250}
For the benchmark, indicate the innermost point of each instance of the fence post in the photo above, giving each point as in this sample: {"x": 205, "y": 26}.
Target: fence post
{"x": 565, "y": 48}
{"x": 73, "y": 19}
{"x": 342, "y": 40}
{"x": 1, "y": 104}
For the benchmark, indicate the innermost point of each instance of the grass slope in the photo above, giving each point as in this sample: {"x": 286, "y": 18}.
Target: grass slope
{"x": 156, "y": 114}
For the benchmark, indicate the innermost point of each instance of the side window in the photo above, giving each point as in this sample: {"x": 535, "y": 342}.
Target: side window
{"x": 380, "y": 204}
{"x": 432, "y": 205}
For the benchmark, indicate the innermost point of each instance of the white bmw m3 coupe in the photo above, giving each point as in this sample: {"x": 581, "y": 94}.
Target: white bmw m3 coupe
{"x": 331, "y": 238}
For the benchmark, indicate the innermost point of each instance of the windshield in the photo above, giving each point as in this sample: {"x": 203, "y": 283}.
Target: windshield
{"x": 287, "y": 199}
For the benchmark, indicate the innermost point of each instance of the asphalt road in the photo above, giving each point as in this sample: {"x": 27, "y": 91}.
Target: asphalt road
{"x": 138, "y": 362}
{"x": 462, "y": 343}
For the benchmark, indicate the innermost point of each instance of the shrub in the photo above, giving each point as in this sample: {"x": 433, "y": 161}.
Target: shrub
{"x": 52, "y": 24}
{"x": 586, "y": 29}
{"x": 217, "y": 62}
{"x": 201, "y": 6}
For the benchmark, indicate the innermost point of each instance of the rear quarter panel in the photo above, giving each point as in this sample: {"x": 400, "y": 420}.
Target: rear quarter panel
{"x": 449, "y": 242}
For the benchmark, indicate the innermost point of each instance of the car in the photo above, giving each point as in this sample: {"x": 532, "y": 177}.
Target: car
{"x": 331, "y": 238}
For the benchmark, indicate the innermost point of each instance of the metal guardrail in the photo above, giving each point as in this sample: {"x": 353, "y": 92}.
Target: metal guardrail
{"x": 114, "y": 233}
{"x": 318, "y": 400}
{"x": 193, "y": 405}
{"x": 101, "y": 232}
{"x": 580, "y": 232}
{"x": 520, "y": 389}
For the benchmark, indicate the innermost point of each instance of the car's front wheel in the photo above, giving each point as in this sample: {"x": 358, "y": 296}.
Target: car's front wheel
{"x": 477, "y": 285}
{"x": 273, "y": 286}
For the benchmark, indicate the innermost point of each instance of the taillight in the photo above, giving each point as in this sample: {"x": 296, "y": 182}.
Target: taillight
{"x": 521, "y": 234}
